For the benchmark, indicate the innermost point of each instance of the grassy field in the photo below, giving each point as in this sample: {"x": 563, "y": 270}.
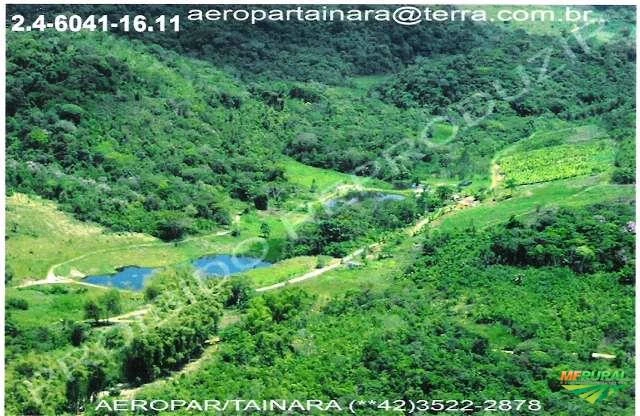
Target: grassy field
{"x": 38, "y": 236}
{"x": 376, "y": 274}
{"x": 305, "y": 176}
{"x": 53, "y": 303}
{"x": 248, "y": 242}
{"x": 283, "y": 270}
{"x": 527, "y": 199}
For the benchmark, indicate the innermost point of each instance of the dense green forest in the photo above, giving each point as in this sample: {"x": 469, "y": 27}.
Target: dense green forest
{"x": 328, "y": 52}
{"x": 78, "y": 133}
{"x": 459, "y": 322}
{"x": 339, "y": 229}
{"x": 85, "y": 357}
{"x": 447, "y": 211}
{"x": 155, "y": 154}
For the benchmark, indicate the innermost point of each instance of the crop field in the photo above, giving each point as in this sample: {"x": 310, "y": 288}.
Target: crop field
{"x": 557, "y": 133}
{"x": 558, "y": 162}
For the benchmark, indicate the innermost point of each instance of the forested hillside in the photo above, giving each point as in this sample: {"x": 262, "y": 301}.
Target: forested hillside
{"x": 462, "y": 321}
{"x": 131, "y": 141}
{"x": 326, "y": 52}
{"x": 136, "y": 137}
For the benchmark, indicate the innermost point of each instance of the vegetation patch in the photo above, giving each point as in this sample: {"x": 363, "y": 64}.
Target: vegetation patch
{"x": 558, "y": 162}
{"x": 40, "y": 236}
{"x": 281, "y": 271}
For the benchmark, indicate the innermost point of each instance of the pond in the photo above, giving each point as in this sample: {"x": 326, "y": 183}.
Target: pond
{"x": 225, "y": 265}
{"x": 131, "y": 277}
{"x": 332, "y": 203}
{"x": 134, "y": 277}
{"x": 389, "y": 197}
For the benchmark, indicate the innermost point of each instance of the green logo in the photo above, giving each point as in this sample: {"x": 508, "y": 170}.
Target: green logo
{"x": 593, "y": 386}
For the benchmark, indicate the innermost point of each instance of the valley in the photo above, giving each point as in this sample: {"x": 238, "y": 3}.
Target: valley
{"x": 261, "y": 213}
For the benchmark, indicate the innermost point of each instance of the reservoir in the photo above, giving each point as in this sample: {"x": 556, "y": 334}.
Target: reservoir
{"x": 354, "y": 199}
{"x": 134, "y": 277}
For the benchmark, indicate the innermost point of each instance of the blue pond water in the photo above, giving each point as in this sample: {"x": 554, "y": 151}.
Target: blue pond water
{"x": 332, "y": 203}
{"x": 134, "y": 278}
{"x": 390, "y": 197}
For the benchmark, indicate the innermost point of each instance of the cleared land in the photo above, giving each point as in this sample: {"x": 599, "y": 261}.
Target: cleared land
{"x": 53, "y": 304}
{"x": 558, "y": 162}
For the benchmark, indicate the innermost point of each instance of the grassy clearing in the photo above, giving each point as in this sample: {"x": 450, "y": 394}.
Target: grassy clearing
{"x": 51, "y": 304}
{"x": 498, "y": 335}
{"x": 375, "y": 274}
{"x": 38, "y": 236}
{"x": 569, "y": 192}
{"x": 281, "y": 271}
{"x": 156, "y": 255}
{"x": 247, "y": 242}
{"x": 325, "y": 179}
{"x": 443, "y": 133}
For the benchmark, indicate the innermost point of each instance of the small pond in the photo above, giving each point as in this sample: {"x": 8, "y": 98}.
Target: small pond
{"x": 134, "y": 277}
{"x": 130, "y": 277}
{"x": 353, "y": 200}
{"x": 225, "y": 265}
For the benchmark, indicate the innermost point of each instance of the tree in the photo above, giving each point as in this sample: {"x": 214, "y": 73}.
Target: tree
{"x": 240, "y": 294}
{"x": 92, "y": 311}
{"x": 97, "y": 378}
{"x": 151, "y": 292}
{"x": 8, "y": 274}
{"x": 78, "y": 333}
{"x": 76, "y": 391}
{"x": 261, "y": 202}
{"x": 444, "y": 192}
{"x": 265, "y": 230}
{"x": 112, "y": 303}
{"x": 584, "y": 259}
{"x": 39, "y": 136}
{"x": 18, "y": 303}
{"x": 173, "y": 228}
